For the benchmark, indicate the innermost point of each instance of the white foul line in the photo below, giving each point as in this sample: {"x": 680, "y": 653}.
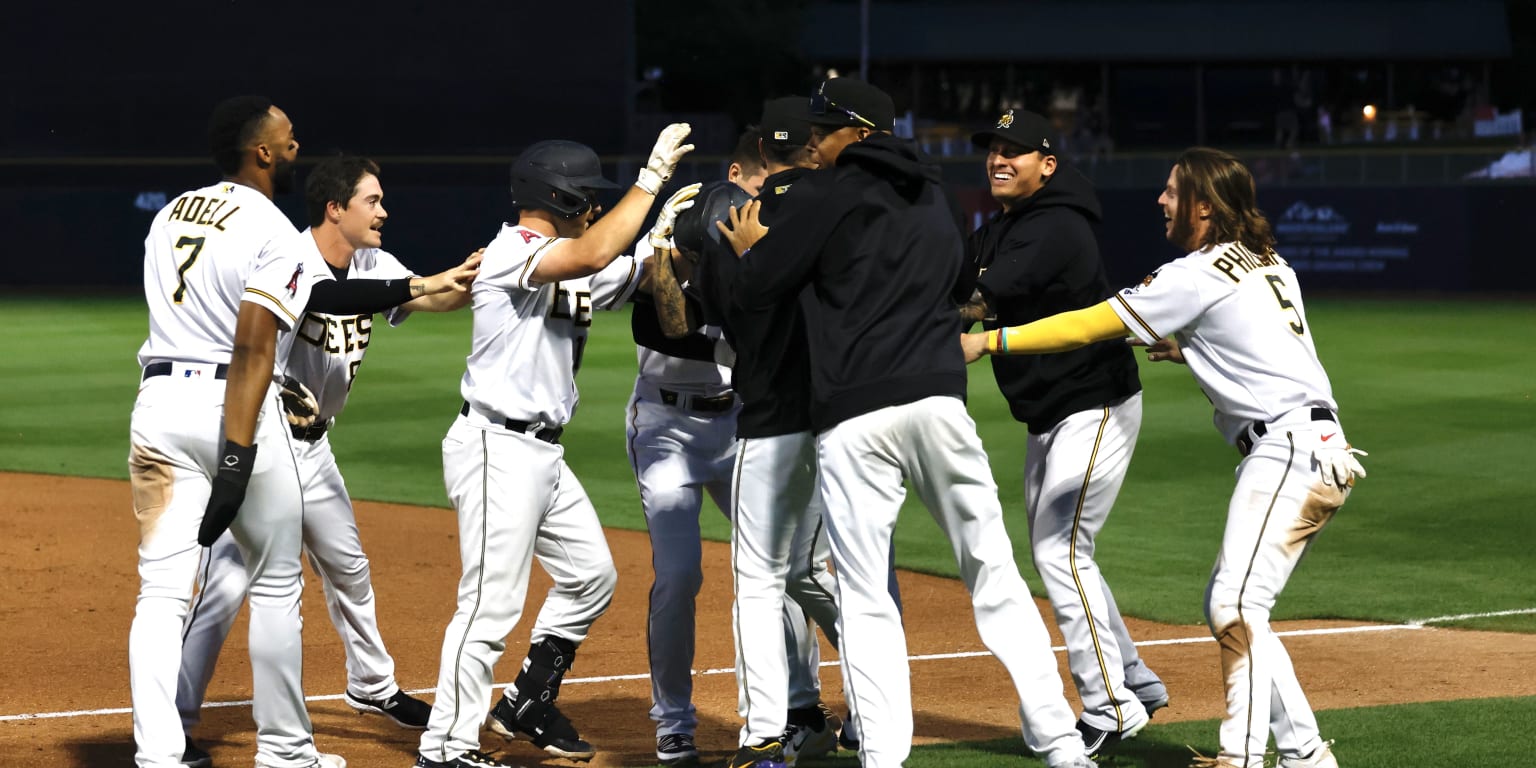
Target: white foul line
{"x": 1411, "y": 625}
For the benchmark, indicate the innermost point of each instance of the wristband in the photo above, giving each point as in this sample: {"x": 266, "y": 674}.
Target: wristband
{"x": 236, "y": 462}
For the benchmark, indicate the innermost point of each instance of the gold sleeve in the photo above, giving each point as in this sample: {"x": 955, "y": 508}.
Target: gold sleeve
{"x": 1059, "y": 333}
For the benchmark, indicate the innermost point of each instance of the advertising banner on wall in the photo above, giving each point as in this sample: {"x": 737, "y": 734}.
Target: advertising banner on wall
{"x": 1400, "y": 238}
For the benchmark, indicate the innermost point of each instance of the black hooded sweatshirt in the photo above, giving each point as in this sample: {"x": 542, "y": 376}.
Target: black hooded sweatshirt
{"x": 878, "y": 242}
{"x": 1037, "y": 260}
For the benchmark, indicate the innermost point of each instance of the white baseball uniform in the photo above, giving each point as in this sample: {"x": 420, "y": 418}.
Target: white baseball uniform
{"x": 507, "y": 477}
{"x": 681, "y": 444}
{"x": 208, "y": 251}
{"x": 1242, "y": 327}
{"x": 326, "y": 355}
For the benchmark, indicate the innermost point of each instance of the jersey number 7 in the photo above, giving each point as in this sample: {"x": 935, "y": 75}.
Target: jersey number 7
{"x": 181, "y": 272}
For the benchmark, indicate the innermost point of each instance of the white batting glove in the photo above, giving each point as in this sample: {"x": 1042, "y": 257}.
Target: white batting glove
{"x": 681, "y": 200}
{"x": 668, "y": 151}
{"x": 299, "y": 404}
{"x": 1339, "y": 465}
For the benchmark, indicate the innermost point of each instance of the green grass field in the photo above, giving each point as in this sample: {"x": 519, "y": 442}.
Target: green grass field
{"x": 1440, "y": 394}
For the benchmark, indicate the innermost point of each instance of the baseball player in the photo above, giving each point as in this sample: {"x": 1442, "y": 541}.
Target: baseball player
{"x": 682, "y": 426}
{"x": 1232, "y": 311}
{"x": 779, "y": 546}
{"x": 345, "y": 208}
{"x": 880, "y": 246}
{"x": 505, "y": 471}
{"x": 1083, "y": 409}
{"x": 212, "y": 254}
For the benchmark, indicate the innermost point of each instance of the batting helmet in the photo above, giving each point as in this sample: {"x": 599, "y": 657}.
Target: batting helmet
{"x": 696, "y": 226}
{"x": 558, "y": 176}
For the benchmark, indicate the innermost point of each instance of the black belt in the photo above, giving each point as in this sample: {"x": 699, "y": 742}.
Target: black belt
{"x": 1258, "y": 428}
{"x": 310, "y": 433}
{"x": 716, "y": 404}
{"x": 547, "y": 434}
{"x": 221, "y": 371}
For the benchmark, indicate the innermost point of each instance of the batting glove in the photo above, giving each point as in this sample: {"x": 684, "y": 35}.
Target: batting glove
{"x": 681, "y": 200}
{"x": 668, "y": 151}
{"x": 228, "y": 491}
{"x": 299, "y": 404}
{"x": 1339, "y": 465}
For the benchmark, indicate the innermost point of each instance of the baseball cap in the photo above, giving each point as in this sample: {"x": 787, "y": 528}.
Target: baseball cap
{"x": 846, "y": 101}
{"x": 786, "y": 121}
{"x": 1027, "y": 129}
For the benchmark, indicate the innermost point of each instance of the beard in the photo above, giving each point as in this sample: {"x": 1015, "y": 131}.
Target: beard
{"x": 282, "y": 178}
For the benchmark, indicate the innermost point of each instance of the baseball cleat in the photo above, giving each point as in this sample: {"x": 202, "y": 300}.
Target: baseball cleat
{"x": 471, "y": 759}
{"x": 1096, "y": 740}
{"x": 555, "y": 735}
{"x": 1322, "y": 757}
{"x": 768, "y": 754}
{"x": 811, "y": 733}
{"x": 193, "y": 756}
{"x": 407, "y": 711}
{"x": 848, "y": 737}
{"x": 676, "y": 750}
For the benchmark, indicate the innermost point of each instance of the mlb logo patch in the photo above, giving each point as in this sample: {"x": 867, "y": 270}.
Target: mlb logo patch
{"x": 781, "y": 135}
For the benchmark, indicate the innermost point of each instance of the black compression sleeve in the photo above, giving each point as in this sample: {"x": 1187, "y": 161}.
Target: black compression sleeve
{"x": 358, "y": 297}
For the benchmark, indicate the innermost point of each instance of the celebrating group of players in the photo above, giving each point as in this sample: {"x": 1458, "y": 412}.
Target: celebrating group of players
{"x": 801, "y": 359}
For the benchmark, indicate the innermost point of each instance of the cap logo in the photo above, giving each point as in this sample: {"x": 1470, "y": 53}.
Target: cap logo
{"x": 1006, "y": 121}
{"x": 1045, "y": 143}
{"x": 781, "y": 135}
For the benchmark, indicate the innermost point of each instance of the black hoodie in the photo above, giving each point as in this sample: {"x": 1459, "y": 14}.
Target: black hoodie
{"x": 1039, "y": 259}
{"x": 878, "y": 242}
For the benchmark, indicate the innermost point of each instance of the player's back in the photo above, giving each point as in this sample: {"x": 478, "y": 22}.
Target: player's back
{"x": 1251, "y": 349}
{"x": 199, "y": 252}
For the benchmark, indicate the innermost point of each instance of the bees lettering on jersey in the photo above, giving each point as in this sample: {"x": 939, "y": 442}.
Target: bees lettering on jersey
{"x": 337, "y": 335}
{"x": 579, "y": 310}
{"x": 196, "y": 209}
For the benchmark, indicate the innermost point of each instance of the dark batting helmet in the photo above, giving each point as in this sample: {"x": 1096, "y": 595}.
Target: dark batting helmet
{"x": 696, "y": 226}
{"x": 558, "y": 176}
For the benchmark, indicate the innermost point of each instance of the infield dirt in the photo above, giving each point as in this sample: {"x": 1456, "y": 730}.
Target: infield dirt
{"x": 69, "y": 544}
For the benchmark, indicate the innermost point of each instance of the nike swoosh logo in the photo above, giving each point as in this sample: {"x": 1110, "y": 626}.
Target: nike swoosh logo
{"x": 1330, "y": 434}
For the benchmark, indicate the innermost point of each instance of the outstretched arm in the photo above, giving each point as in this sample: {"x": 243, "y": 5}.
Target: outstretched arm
{"x": 1057, "y": 333}
{"x": 458, "y": 278}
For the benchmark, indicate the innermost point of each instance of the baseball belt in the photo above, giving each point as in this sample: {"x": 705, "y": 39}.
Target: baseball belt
{"x": 716, "y": 404}
{"x": 547, "y": 434}
{"x": 186, "y": 370}
{"x": 1258, "y": 429}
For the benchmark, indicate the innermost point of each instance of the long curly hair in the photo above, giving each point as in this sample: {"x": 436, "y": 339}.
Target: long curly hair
{"x": 1206, "y": 175}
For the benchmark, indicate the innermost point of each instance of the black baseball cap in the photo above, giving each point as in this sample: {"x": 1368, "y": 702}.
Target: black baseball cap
{"x": 1026, "y": 129}
{"x": 846, "y": 101}
{"x": 786, "y": 121}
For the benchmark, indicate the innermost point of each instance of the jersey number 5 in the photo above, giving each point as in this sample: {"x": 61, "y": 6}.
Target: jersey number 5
{"x": 196, "y": 244}
{"x": 1274, "y": 285}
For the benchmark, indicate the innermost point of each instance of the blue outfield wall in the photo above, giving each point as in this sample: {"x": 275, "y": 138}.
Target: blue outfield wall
{"x": 1356, "y": 239}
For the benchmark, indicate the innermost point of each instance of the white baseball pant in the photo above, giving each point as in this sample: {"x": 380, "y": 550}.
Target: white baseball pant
{"x": 779, "y": 550}
{"x": 933, "y": 444}
{"x": 1276, "y": 511}
{"x": 677, "y": 457}
{"x": 1072, "y": 475}
{"x": 516, "y": 500}
{"x": 335, "y": 551}
{"x": 176, "y": 435}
